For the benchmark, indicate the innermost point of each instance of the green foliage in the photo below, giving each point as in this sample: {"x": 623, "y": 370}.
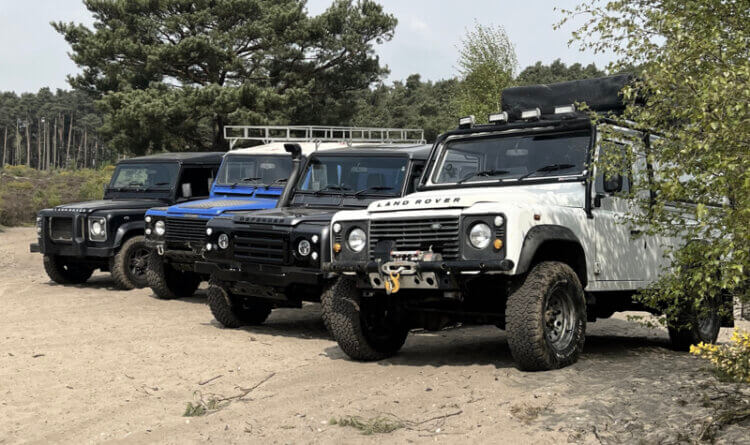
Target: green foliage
{"x": 170, "y": 74}
{"x": 23, "y": 190}
{"x": 694, "y": 87}
{"x": 410, "y": 104}
{"x": 557, "y": 71}
{"x": 486, "y": 64}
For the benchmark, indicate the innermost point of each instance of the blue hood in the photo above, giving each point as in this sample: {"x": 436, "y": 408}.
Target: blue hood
{"x": 216, "y": 205}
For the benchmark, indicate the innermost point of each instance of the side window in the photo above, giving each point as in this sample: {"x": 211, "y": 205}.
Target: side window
{"x": 200, "y": 180}
{"x": 615, "y": 167}
{"x": 416, "y": 173}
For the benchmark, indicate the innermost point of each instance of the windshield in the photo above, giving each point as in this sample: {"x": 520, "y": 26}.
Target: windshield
{"x": 512, "y": 158}
{"x": 354, "y": 174}
{"x": 145, "y": 176}
{"x": 254, "y": 170}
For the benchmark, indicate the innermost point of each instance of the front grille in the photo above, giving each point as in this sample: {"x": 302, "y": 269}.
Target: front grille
{"x": 268, "y": 247}
{"x": 179, "y": 229}
{"x": 61, "y": 229}
{"x": 439, "y": 234}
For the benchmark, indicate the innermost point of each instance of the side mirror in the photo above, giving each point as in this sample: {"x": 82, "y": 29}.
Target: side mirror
{"x": 187, "y": 190}
{"x": 613, "y": 184}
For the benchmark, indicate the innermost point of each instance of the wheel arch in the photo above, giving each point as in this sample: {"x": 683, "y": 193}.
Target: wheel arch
{"x": 553, "y": 243}
{"x": 127, "y": 231}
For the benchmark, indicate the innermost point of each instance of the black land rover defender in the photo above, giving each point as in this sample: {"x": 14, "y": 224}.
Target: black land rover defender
{"x": 78, "y": 238}
{"x": 272, "y": 258}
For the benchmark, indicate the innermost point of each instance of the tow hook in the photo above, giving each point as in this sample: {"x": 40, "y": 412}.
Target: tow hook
{"x": 392, "y": 284}
{"x": 160, "y": 250}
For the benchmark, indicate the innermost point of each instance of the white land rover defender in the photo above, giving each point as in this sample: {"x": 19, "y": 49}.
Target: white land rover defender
{"x": 511, "y": 226}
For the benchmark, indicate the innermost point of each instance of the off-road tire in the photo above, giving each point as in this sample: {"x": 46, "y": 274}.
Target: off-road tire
{"x": 120, "y": 264}
{"x": 234, "y": 312}
{"x": 343, "y": 316}
{"x": 695, "y": 328}
{"x": 65, "y": 272}
{"x": 168, "y": 283}
{"x": 527, "y": 322}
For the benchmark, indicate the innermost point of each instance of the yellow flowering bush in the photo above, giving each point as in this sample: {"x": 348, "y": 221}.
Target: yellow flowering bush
{"x": 731, "y": 361}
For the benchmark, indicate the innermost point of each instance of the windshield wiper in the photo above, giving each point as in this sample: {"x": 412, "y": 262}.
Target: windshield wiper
{"x": 482, "y": 173}
{"x": 547, "y": 168}
{"x": 340, "y": 188}
{"x": 375, "y": 188}
{"x": 153, "y": 187}
{"x": 235, "y": 184}
{"x": 276, "y": 181}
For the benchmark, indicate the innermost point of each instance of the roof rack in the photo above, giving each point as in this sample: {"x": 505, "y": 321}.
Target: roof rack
{"x": 314, "y": 133}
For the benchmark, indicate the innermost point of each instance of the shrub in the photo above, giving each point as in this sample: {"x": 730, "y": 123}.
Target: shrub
{"x": 732, "y": 361}
{"x": 24, "y": 191}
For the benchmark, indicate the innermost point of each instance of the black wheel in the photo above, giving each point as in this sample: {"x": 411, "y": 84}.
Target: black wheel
{"x": 169, "y": 283}
{"x": 695, "y": 327}
{"x": 66, "y": 271}
{"x": 546, "y": 318}
{"x": 365, "y": 329}
{"x": 234, "y": 311}
{"x": 130, "y": 264}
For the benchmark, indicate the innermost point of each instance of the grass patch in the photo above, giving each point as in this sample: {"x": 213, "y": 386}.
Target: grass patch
{"x": 24, "y": 191}
{"x": 526, "y": 413}
{"x": 202, "y": 407}
{"x": 373, "y": 425}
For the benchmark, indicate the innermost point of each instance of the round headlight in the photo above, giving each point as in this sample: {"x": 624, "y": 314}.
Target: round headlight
{"x": 148, "y": 231}
{"x": 336, "y": 227}
{"x": 223, "y": 241}
{"x": 499, "y": 220}
{"x": 357, "y": 239}
{"x": 479, "y": 235}
{"x": 160, "y": 228}
{"x": 148, "y": 218}
{"x": 304, "y": 247}
{"x": 97, "y": 229}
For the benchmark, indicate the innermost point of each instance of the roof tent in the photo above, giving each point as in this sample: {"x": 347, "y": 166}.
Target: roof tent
{"x": 600, "y": 94}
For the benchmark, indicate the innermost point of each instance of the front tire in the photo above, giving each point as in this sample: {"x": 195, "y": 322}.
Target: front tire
{"x": 169, "y": 283}
{"x": 364, "y": 330}
{"x": 130, "y": 264}
{"x": 546, "y": 318}
{"x": 234, "y": 311}
{"x": 63, "y": 271}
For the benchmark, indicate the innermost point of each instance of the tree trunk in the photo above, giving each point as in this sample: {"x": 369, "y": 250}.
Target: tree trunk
{"x": 39, "y": 145}
{"x": 28, "y": 143}
{"x": 5, "y": 146}
{"x": 54, "y": 144}
{"x": 70, "y": 138}
{"x": 17, "y": 154}
{"x": 85, "y": 149}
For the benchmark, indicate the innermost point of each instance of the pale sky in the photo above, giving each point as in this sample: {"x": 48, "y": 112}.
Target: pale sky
{"x": 33, "y": 55}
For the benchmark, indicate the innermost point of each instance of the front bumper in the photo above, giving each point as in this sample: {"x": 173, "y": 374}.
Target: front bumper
{"x": 188, "y": 252}
{"x": 73, "y": 249}
{"x": 280, "y": 277}
{"x": 426, "y": 275}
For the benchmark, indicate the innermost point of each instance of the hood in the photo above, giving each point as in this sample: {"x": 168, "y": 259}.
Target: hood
{"x": 216, "y": 206}
{"x": 109, "y": 204}
{"x": 569, "y": 194}
{"x": 288, "y": 216}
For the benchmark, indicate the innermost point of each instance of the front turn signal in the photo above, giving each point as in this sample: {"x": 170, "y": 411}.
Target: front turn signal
{"x": 498, "y": 244}
{"x": 337, "y": 247}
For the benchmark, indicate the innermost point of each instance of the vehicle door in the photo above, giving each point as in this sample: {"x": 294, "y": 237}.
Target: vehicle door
{"x": 620, "y": 251}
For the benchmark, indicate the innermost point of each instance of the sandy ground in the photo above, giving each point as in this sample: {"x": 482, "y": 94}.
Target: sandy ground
{"x": 90, "y": 364}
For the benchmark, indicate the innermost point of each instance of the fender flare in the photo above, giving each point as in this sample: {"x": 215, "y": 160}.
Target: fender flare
{"x": 126, "y": 228}
{"x": 537, "y": 236}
